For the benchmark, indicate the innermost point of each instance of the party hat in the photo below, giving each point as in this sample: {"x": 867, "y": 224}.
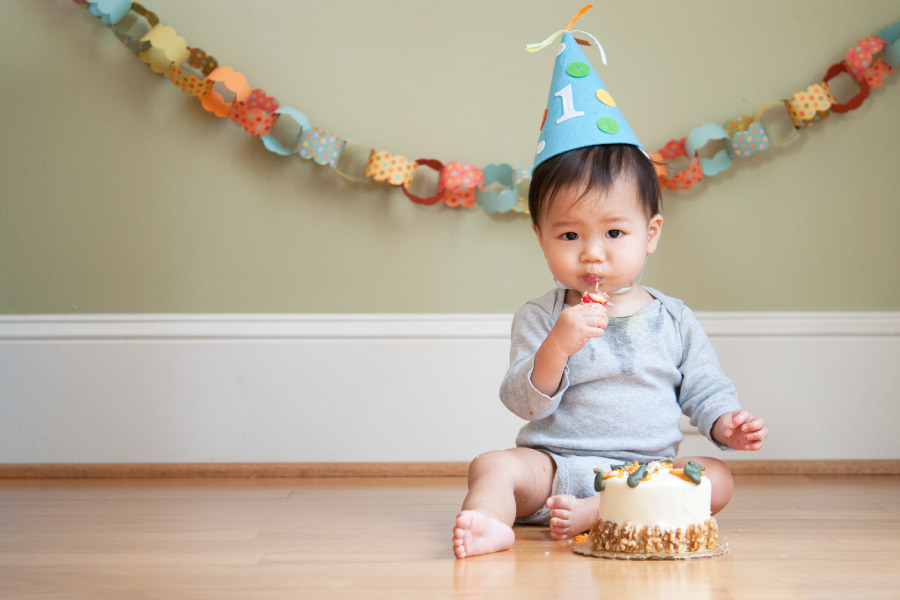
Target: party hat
{"x": 580, "y": 110}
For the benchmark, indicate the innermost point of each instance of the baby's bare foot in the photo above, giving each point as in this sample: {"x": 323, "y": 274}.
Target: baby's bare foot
{"x": 570, "y": 516}
{"x": 476, "y": 533}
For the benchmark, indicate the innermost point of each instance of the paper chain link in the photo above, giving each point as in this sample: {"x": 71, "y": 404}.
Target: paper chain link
{"x": 495, "y": 188}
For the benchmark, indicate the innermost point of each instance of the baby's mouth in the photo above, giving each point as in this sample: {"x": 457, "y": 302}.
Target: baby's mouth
{"x": 592, "y": 280}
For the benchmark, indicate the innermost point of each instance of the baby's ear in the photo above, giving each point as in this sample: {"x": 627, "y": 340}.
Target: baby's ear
{"x": 654, "y": 231}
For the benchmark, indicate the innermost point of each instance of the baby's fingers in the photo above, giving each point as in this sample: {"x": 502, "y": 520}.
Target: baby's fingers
{"x": 739, "y": 417}
{"x": 754, "y": 425}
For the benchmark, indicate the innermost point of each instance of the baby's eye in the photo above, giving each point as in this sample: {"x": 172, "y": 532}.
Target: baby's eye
{"x": 614, "y": 233}
{"x": 570, "y": 235}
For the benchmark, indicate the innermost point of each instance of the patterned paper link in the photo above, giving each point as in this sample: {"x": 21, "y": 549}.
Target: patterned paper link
{"x": 458, "y": 182}
{"x": 133, "y": 43}
{"x": 320, "y": 147}
{"x": 854, "y": 102}
{"x": 685, "y": 179}
{"x": 811, "y": 105}
{"x": 165, "y": 48}
{"x": 255, "y": 114}
{"x": 698, "y": 138}
{"x": 109, "y": 11}
{"x": 393, "y": 170}
{"x": 191, "y": 84}
{"x": 863, "y": 64}
{"x": 522, "y": 181}
{"x": 746, "y": 136}
{"x": 758, "y": 118}
{"x": 231, "y": 79}
{"x": 431, "y": 163}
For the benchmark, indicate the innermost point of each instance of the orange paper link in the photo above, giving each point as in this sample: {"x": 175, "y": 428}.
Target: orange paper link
{"x": 811, "y": 105}
{"x": 685, "y": 179}
{"x": 131, "y": 42}
{"x": 231, "y": 79}
{"x": 165, "y": 48}
{"x": 191, "y": 84}
{"x": 394, "y": 170}
{"x": 458, "y": 183}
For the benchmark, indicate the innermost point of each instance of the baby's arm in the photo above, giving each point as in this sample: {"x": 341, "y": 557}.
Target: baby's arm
{"x": 740, "y": 430}
{"x": 572, "y": 330}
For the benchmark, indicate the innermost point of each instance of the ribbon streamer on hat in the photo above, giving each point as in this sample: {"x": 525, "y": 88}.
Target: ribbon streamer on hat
{"x": 549, "y": 40}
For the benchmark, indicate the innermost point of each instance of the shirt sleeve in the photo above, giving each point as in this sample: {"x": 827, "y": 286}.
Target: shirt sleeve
{"x": 705, "y": 393}
{"x": 530, "y": 327}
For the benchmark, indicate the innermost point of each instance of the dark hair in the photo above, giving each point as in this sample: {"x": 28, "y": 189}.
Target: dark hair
{"x": 594, "y": 167}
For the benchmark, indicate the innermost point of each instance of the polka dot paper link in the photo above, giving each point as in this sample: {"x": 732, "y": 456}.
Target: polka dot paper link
{"x": 863, "y": 63}
{"x": 322, "y": 148}
{"x": 393, "y": 170}
{"x": 810, "y": 106}
{"x": 869, "y": 62}
{"x": 191, "y": 84}
{"x": 255, "y": 114}
{"x": 131, "y": 42}
{"x": 683, "y": 180}
{"x": 746, "y": 136}
{"x": 458, "y": 183}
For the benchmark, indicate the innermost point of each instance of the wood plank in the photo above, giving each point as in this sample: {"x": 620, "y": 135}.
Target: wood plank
{"x": 384, "y": 469}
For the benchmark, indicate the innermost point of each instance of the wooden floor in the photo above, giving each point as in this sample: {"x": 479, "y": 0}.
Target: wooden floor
{"x": 789, "y": 537}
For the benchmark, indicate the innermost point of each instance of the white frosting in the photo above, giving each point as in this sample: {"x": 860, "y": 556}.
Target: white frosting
{"x": 665, "y": 500}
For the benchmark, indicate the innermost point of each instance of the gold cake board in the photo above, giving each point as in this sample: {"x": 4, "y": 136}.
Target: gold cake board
{"x": 584, "y": 549}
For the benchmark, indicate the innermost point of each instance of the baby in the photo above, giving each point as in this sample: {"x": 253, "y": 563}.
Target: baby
{"x": 599, "y": 384}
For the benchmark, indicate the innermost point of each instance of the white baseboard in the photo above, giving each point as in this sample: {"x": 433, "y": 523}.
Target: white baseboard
{"x": 390, "y": 388}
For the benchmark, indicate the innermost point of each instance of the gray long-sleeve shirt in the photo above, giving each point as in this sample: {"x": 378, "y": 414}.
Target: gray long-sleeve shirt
{"x": 622, "y": 395}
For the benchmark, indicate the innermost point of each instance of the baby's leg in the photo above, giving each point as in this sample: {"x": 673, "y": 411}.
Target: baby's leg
{"x": 719, "y": 477}
{"x": 503, "y": 485}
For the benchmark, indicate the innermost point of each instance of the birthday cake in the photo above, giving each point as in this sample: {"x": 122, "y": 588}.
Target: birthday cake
{"x": 653, "y": 508}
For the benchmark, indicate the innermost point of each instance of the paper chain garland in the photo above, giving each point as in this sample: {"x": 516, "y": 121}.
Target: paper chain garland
{"x": 495, "y": 188}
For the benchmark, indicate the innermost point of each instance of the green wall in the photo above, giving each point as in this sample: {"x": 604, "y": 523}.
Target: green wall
{"x": 120, "y": 194}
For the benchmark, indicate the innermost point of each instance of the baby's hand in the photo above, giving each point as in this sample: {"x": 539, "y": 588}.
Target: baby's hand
{"x": 578, "y": 324}
{"x": 740, "y": 431}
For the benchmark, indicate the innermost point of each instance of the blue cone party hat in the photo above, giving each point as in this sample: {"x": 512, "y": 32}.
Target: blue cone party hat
{"x": 580, "y": 110}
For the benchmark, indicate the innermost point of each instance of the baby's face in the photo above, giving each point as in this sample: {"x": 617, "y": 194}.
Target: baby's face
{"x": 598, "y": 239}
